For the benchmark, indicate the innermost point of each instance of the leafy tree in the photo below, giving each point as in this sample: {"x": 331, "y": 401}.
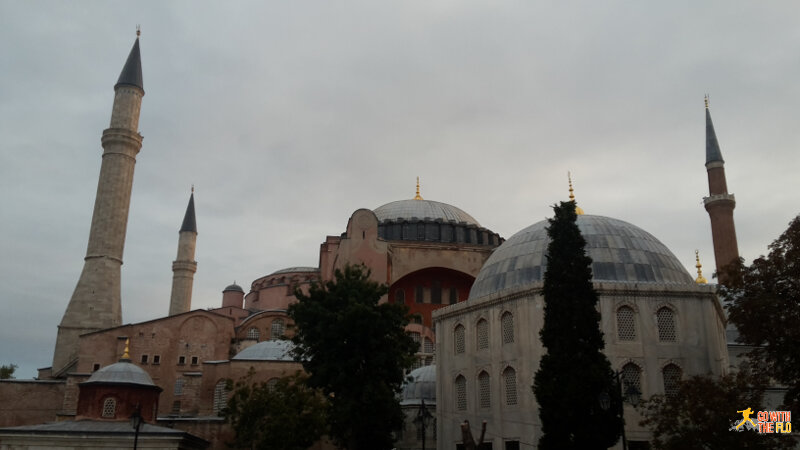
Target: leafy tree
{"x": 355, "y": 350}
{"x": 574, "y": 373}
{"x": 7, "y": 371}
{"x": 702, "y": 413}
{"x": 763, "y": 301}
{"x": 287, "y": 416}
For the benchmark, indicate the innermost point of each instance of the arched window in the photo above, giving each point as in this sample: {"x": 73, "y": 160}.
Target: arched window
{"x": 253, "y": 333}
{"x": 428, "y": 347}
{"x": 461, "y": 393}
{"x": 109, "y": 408}
{"x": 400, "y": 296}
{"x": 417, "y": 338}
{"x": 631, "y": 377}
{"x": 482, "y": 334}
{"x": 277, "y": 329}
{"x": 485, "y": 397}
{"x": 510, "y": 381}
{"x": 507, "y": 325}
{"x": 179, "y": 387}
{"x": 626, "y": 328}
{"x": 419, "y": 294}
{"x": 672, "y": 376}
{"x": 666, "y": 324}
{"x": 220, "y": 397}
{"x": 458, "y": 337}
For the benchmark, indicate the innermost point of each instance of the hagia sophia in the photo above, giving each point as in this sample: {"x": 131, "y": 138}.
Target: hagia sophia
{"x": 474, "y": 297}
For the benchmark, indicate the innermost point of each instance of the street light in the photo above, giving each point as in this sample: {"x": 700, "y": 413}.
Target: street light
{"x": 629, "y": 394}
{"x": 422, "y": 420}
{"x": 136, "y": 423}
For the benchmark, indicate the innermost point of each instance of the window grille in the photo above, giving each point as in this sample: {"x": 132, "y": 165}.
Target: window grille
{"x": 632, "y": 376}
{"x": 626, "y": 328}
{"x": 458, "y": 335}
{"x": 507, "y": 325}
{"x": 416, "y": 364}
{"x": 110, "y": 408}
{"x": 461, "y": 393}
{"x": 428, "y": 345}
{"x": 276, "y": 331}
{"x": 176, "y": 407}
{"x": 666, "y": 325}
{"x": 672, "y": 376}
{"x": 220, "y": 397}
{"x": 253, "y": 333}
{"x": 485, "y": 400}
{"x": 416, "y": 338}
{"x": 179, "y": 387}
{"x": 482, "y": 334}
{"x": 510, "y": 380}
{"x": 400, "y": 296}
{"x": 428, "y": 360}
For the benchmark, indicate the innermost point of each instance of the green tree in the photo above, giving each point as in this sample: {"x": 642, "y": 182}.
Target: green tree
{"x": 700, "y": 416}
{"x": 355, "y": 350}
{"x": 763, "y": 302}
{"x": 574, "y": 373}
{"x": 286, "y": 416}
{"x": 7, "y": 371}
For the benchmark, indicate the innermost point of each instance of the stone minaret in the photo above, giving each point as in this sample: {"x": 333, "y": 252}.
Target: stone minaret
{"x": 719, "y": 202}
{"x": 184, "y": 266}
{"x": 95, "y": 304}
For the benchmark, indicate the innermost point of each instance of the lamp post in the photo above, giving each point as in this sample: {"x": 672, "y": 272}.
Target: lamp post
{"x": 136, "y": 423}
{"x": 422, "y": 420}
{"x": 630, "y": 394}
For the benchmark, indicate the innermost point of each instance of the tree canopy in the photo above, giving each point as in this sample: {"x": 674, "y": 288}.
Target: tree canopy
{"x": 7, "y": 371}
{"x": 702, "y": 413}
{"x": 355, "y": 350}
{"x": 288, "y": 415}
{"x": 763, "y": 301}
{"x": 574, "y": 373}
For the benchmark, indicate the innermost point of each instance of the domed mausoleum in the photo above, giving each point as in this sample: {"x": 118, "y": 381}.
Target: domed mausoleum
{"x": 658, "y": 325}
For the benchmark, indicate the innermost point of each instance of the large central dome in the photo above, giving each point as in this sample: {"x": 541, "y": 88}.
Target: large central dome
{"x": 422, "y": 209}
{"x": 620, "y": 252}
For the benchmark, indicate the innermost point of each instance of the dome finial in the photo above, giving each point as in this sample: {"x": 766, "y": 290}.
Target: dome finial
{"x": 138, "y": 30}
{"x": 700, "y": 278}
{"x": 126, "y": 353}
{"x": 578, "y": 209}
{"x": 417, "y": 197}
{"x": 706, "y": 100}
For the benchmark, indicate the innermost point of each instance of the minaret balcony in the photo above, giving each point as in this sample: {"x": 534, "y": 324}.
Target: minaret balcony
{"x": 719, "y": 199}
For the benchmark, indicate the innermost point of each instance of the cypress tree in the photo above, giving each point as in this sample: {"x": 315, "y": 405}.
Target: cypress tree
{"x": 574, "y": 375}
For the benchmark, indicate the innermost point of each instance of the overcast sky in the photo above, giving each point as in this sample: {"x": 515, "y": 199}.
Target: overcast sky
{"x": 288, "y": 116}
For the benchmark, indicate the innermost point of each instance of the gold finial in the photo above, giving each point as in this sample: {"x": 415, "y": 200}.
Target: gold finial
{"x": 125, "y": 353}
{"x": 706, "y": 99}
{"x": 138, "y": 30}
{"x": 417, "y": 197}
{"x": 578, "y": 209}
{"x": 700, "y": 278}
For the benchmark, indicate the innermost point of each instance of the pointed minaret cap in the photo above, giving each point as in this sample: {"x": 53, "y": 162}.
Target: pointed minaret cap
{"x": 131, "y": 74}
{"x": 700, "y": 278}
{"x": 189, "y": 221}
{"x": 578, "y": 209}
{"x": 713, "y": 153}
{"x": 417, "y": 197}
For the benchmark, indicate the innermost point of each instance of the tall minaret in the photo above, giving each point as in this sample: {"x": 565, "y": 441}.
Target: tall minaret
{"x": 184, "y": 266}
{"x": 719, "y": 202}
{"x": 95, "y": 304}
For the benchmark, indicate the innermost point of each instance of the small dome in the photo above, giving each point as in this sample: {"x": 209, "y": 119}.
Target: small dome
{"x": 122, "y": 372}
{"x": 620, "y": 251}
{"x": 233, "y": 287}
{"x": 277, "y": 350}
{"x": 421, "y": 385}
{"x": 296, "y": 270}
{"x": 421, "y": 209}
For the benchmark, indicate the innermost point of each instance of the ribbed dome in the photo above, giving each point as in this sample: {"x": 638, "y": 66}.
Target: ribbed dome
{"x": 621, "y": 252}
{"x": 277, "y": 350}
{"x": 421, "y": 209}
{"x": 122, "y": 372}
{"x": 421, "y": 385}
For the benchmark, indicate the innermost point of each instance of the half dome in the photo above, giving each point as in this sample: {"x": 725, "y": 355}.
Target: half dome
{"x": 621, "y": 252}
{"x": 423, "y": 209}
